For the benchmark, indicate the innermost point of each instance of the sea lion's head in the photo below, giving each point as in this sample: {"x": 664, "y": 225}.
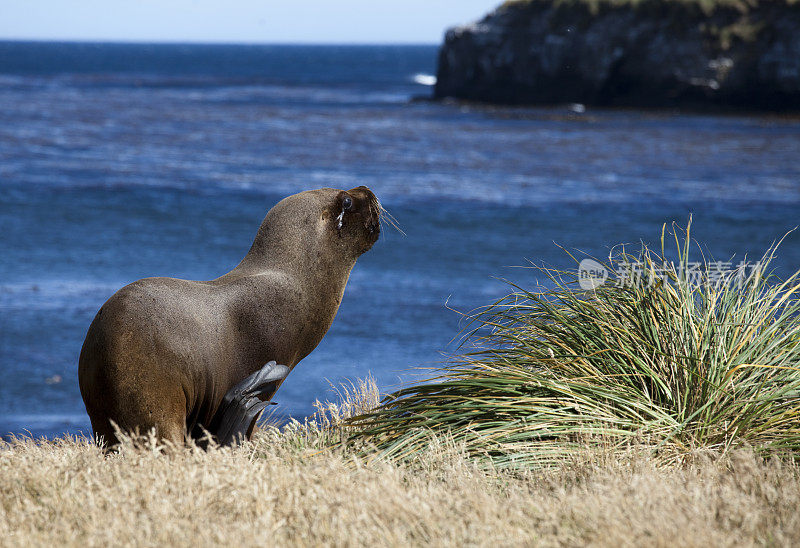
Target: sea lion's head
{"x": 354, "y": 218}
{"x": 315, "y": 228}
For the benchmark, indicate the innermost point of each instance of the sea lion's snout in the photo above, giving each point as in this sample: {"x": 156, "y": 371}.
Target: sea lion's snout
{"x": 373, "y": 213}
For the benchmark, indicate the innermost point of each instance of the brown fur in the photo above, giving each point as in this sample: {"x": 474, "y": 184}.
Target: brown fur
{"x": 162, "y": 352}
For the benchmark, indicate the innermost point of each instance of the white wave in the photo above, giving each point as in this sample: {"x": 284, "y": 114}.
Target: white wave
{"x": 44, "y": 418}
{"x": 54, "y": 295}
{"x": 425, "y": 79}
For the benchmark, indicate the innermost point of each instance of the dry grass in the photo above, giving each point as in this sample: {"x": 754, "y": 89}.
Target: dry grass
{"x": 289, "y": 488}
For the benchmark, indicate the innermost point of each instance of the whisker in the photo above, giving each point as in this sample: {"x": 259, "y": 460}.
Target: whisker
{"x": 390, "y": 219}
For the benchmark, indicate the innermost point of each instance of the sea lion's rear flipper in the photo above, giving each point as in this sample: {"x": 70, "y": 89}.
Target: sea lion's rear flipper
{"x": 241, "y": 406}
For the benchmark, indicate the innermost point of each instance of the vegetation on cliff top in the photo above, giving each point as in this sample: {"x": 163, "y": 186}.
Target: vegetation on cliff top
{"x": 708, "y": 6}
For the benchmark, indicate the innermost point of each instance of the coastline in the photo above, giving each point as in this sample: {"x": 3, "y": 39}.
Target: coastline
{"x": 653, "y": 53}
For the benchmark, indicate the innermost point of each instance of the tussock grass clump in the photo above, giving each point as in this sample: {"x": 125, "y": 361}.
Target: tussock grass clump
{"x": 677, "y": 357}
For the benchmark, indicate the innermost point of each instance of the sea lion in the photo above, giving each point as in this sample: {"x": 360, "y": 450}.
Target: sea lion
{"x": 188, "y": 357}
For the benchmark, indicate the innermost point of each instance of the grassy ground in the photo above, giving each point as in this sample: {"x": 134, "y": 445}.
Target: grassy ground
{"x": 281, "y": 491}
{"x": 295, "y": 486}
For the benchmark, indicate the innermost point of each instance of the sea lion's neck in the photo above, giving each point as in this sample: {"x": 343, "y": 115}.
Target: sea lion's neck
{"x": 295, "y": 253}
{"x": 307, "y": 261}
{"x": 319, "y": 283}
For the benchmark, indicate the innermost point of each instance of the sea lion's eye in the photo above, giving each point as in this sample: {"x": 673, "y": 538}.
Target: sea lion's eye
{"x": 347, "y": 203}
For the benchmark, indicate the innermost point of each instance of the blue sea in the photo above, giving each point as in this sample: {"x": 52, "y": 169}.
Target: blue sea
{"x": 122, "y": 161}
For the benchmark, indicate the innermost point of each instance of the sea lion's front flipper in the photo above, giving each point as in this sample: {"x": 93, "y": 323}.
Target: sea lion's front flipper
{"x": 241, "y": 406}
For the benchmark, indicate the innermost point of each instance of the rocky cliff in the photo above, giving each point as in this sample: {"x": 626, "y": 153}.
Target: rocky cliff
{"x": 650, "y": 53}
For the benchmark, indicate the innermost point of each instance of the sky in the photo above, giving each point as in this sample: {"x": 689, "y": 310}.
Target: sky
{"x": 238, "y": 21}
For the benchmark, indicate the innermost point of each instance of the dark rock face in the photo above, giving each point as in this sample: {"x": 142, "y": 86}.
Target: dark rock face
{"x": 655, "y": 53}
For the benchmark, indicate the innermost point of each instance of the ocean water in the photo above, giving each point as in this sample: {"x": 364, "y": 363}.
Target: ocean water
{"x": 119, "y": 162}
